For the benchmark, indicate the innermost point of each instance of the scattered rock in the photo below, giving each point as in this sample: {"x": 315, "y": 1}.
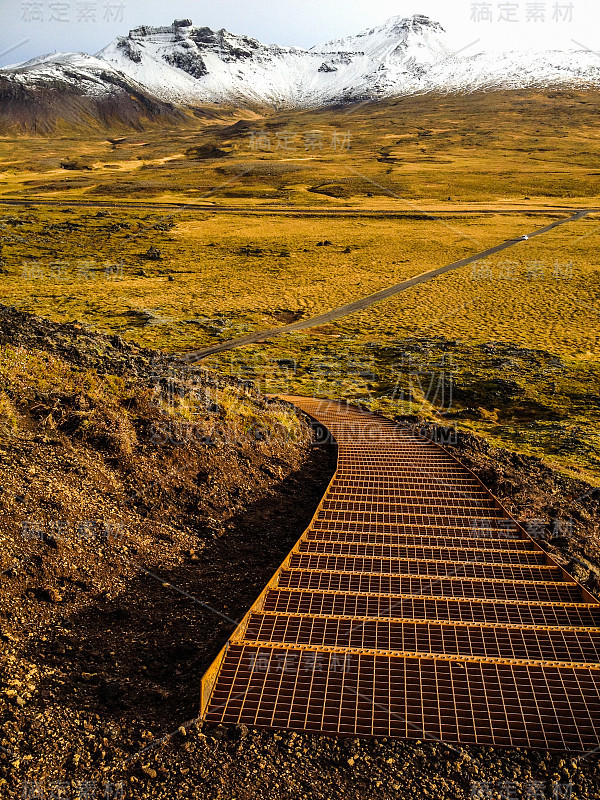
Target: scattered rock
{"x": 153, "y": 254}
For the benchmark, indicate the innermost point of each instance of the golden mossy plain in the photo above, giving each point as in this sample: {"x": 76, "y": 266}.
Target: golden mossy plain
{"x": 288, "y": 229}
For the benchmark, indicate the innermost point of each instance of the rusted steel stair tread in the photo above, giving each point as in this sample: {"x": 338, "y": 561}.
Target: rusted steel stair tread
{"x": 475, "y": 530}
{"x": 409, "y": 497}
{"x": 413, "y": 482}
{"x": 448, "y": 586}
{"x": 401, "y": 518}
{"x": 408, "y": 540}
{"x": 378, "y": 472}
{"x": 422, "y": 509}
{"x": 528, "y": 706}
{"x": 388, "y": 484}
{"x": 409, "y": 502}
{"x": 460, "y": 609}
{"x": 397, "y": 566}
{"x": 441, "y": 494}
{"x": 416, "y": 552}
{"x": 423, "y": 469}
{"x": 313, "y": 618}
{"x": 512, "y": 643}
{"x": 346, "y": 653}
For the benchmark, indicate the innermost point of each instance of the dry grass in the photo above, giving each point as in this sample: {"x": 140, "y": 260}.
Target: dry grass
{"x": 491, "y": 147}
{"x": 8, "y": 414}
{"x": 92, "y": 407}
{"x": 540, "y": 294}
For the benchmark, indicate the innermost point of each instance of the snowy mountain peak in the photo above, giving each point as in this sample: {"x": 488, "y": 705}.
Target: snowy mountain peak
{"x": 186, "y": 39}
{"x": 415, "y": 42}
{"x": 403, "y": 26}
{"x": 396, "y": 30}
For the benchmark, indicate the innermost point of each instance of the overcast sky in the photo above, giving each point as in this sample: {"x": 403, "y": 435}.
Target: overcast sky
{"x": 34, "y": 27}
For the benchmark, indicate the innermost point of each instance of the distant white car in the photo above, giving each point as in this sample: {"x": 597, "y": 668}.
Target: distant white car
{"x": 524, "y": 239}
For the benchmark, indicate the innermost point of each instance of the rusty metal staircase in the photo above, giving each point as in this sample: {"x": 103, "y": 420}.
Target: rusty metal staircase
{"x": 414, "y": 607}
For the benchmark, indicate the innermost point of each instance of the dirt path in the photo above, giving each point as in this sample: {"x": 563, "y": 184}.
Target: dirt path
{"x": 302, "y": 211}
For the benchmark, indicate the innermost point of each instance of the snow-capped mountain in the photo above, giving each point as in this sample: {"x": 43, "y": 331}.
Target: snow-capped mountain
{"x": 189, "y": 65}
{"x": 93, "y": 75}
{"x": 76, "y": 89}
